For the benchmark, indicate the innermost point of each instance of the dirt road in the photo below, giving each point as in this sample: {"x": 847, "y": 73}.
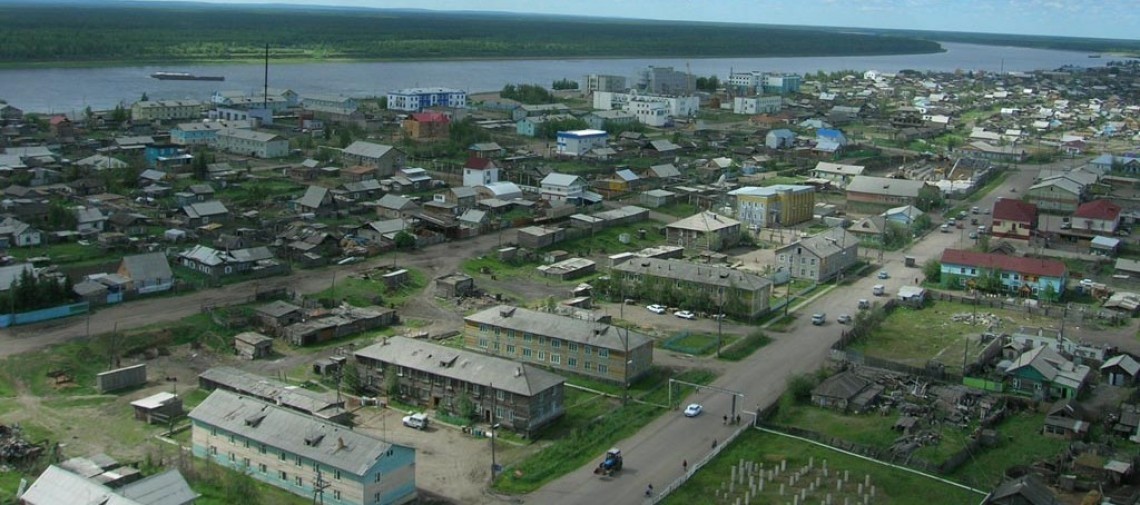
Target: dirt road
{"x": 434, "y": 261}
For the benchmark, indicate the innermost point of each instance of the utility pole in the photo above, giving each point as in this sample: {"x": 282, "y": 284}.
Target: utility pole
{"x": 494, "y": 465}
{"x": 319, "y": 486}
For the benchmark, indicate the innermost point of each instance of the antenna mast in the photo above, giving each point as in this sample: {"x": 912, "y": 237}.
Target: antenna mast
{"x": 265, "y": 86}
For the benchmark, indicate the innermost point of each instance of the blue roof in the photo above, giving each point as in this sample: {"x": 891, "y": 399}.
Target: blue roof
{"x": 829, "y": 133}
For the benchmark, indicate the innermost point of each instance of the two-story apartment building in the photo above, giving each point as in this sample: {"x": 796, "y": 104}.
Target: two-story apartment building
{"x": 384, "y": 159}
{"x": 778, "y": 205}
{"x": 714, "y": 288}
{"x": 166, "y": 110}
{"x": 837, "y": 173}
{"x": 882, "y": 191}
{"x": 339, "y": 106}
{"x": 562, "y": 343}
{"x": 416, "y": 99}
{"x": 204, "y": 134}
{"x": 300, "y": 453}
{"x": 819, "y": 257}
{"x": 426, "y": 125}
{"x": 252, "y": 143}
{"x": 1013, "y": 219}
{"x": 760, "y": 104}
{"x": 1043, "y": 278}
{"x": 567, "y": 188}
{"x": 1056, "y": 194}
{"x": 704, "y": 230}
{"x": 521, "y": 397}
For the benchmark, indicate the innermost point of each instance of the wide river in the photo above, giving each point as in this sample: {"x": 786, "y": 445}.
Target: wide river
{"x": 69, "y": 90}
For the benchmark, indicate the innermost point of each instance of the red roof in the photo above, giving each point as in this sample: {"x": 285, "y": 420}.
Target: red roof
{"x": 431, "y": 117}
{"x": 1001, "y": 262}
{"x": 1012, "y": 209}
{"x": 58, "y": 119}
{"x": 1098, "y": 209}
{"x": 479, "y": 163}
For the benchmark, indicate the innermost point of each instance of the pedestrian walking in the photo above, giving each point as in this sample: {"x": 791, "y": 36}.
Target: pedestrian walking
{"x": 714, "y": 444}
{"x": 649, "y": 491}
{"x": 726, "y": 419}
{"x": 685, "y": 465}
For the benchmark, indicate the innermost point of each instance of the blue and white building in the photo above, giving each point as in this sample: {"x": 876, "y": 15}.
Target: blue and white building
{"x": 580, "y": 142}
{"x": 417, "y": 99}
{"x": 296, "y": 452}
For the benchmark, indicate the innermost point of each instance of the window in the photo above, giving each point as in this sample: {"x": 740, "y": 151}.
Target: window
{"x": 262, "y": 448}
{"x": 510, "y": 349}
{"x": 526, "y": 337}
{"x": 376, "y": 497}
{"x": 556, "y": 359}
{"x": 262, "y": 468}
{"x": 336, "y": 474}
{"x": 298, "y": 460}
{"x": 281, "y": 456}
{"x": 555, "y": 343}
{"x": 813, "y": 262}
{"x": 298, "y": 480}
{"x": 484, "y": 327}
{"x": 572, "y": 362}
{"x": 500, "y": 395}
{"x": 603, "y": 369}
{"x": 573, "y": 346}
{"x": 589, "y": 350}
{"x": 336, "y": 494}
{"x": 377, "y": 478}
{"x": 603, "y": 353}
{"x": 213, "y": 431}
{"x": 526, "y": 352}
{"x": 246, "y": 443}
{"x": 495, "y": 345}
{"x": 213, "y": 450}
{"x": 283, "y": 475}
{"x": 245, "y": 462}
{"x": 587, "y": 366}
{"x": 542, "y": 355}
{"x": 482, "y": 342}
{"x": 231, "y": 438}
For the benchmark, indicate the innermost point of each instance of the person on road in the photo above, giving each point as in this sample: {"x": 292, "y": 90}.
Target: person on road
{"x": 685, "y": 465}
{"x": 649, "y": 491}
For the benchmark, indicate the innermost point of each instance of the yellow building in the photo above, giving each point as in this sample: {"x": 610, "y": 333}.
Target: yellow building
{"x": 165, "y": 110}
{"x": 779, "y": 205}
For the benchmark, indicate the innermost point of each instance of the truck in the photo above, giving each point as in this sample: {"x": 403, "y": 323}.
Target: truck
{"x": 611, "y": 464}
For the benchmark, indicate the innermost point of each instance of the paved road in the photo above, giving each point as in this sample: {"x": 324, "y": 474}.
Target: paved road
{"x": 654, "y": 454}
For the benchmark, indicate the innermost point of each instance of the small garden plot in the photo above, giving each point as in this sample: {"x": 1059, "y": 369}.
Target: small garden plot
{"x": 941, "y": 331}
{"x": 809, "y": 472}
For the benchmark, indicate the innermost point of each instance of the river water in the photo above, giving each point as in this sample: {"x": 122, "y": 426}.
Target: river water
{"x": 68, "y": 90}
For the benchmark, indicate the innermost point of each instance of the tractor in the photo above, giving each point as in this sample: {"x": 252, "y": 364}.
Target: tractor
{"x": 611, "y": 464}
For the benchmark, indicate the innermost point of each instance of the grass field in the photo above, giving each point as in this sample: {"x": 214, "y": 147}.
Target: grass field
{"x": 364, "y": 291}
{"x": 915, "y": 336}
{"x": 893, "y": 487}
{"x": 608, "y": 241}
{"x": 1021, "y": 444}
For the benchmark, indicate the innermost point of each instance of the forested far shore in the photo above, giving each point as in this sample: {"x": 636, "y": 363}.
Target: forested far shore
{"x": 216, "y": 33}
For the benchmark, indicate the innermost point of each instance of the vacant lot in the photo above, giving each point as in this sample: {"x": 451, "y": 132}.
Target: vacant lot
{"x": 893, "y": 487}
{"x": 941, "y": 331}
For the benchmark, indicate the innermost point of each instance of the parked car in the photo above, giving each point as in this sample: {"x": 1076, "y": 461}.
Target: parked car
{"x": 975, "y": 210}
{"x": 417, "y": 421}
{"x": 843, "y": 319}
{"x": 878, "y": 289}
{"x": 884, "y": 275}
{"x": 684, "y": 314}
{"x": 864, "y": 304}
{"x": 693, "y": 410}
{"x": 818, "y": 318}
{"x": 656, "y": 309}
{"x": 945, "y": 228}
{"x": 973, "y": 234}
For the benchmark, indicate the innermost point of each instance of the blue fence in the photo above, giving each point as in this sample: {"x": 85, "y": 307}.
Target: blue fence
{"x": 36, "y": 316}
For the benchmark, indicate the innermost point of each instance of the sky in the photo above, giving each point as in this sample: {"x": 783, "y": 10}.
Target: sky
{"x": 1096, "y": 18}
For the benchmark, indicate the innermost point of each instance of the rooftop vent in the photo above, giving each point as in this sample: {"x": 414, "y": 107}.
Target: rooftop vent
{"x": 314, "y": 440}
{"x": 507, "y": 311}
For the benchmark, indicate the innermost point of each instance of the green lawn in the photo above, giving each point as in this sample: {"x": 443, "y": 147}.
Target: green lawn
{"x": 1021, "y": 444}
{"x": 678, "y": 209}
{"x": 915, "y": 336}
{"x": 893, "y": 487}
{"x": 592, "y": 424}
{"x": 608, "y": 241}
{"x": 67, "y": 253}
{"x": 701, "y": 344}
{"x": 363, "y": 291}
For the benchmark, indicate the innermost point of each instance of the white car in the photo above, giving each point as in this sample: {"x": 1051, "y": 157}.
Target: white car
{"x": 693, "y": 410}
{"x": 656, "y": 309}
{"x": 843, "y": 319}
{"x": 417, "y": 421}
{"x": 684, "y": 314}
{"x": 884, "y": 275}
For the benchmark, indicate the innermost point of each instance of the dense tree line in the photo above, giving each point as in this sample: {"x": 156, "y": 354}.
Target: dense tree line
{"x": 184, "y": 32}
{"x": 30, "y": 292}
{"x": 564, "y": 84}
{"x": 532, "y": 94}
{"x": 549, "y": 129}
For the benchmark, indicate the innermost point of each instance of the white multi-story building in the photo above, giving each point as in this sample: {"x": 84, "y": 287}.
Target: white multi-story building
{"x": 745, "y": 81}
{"x": 252, "y": 143}
{"x": 416, "y": 99}
{"x": 580, "y": 142}
{"x": 763, "y": 104}
{"x": 674, "y": 106}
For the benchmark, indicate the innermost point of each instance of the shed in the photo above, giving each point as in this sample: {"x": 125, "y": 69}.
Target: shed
{"x": 396, "y": 279}
{"x": 253, "y": 345}
{"x": 1120, "y": 370}
{"x": 158, "y": 408}
{"x": 454, "y": 285}
{"x": 912, "y": 295}
{"x": 840, "y": 390}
